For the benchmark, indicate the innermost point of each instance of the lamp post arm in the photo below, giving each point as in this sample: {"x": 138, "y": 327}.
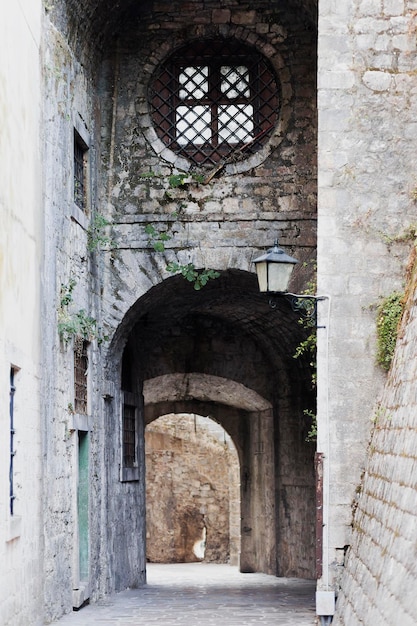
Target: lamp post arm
{"x": 304, "y": 304}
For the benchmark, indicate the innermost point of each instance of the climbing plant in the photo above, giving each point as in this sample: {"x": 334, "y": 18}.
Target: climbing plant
{"x": 189, "y": 272}
{"x": 73, "y": 325}
{"x": 388, "y": 318}
{"x": 158, "y": 237}
{"x": 308, "y": 348}
{"x": 96, "y": 234}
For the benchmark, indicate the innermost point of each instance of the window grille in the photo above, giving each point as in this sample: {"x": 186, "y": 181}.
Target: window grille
{"x": 80, "y": 377}
{"x": 80, "y": 151}
{"x": 214, "y": 100}
{"x": 129, "y": 436}
{"x": 12, "y": 495}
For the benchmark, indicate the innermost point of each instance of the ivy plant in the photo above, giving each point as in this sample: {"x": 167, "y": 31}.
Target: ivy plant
{"x": 78, "y": 324}
{"x": 389, "y": 314}
{"x": 157, "y": 238}
{"x": 199, "y": 278}
{"x": 96, "y": 235}
{"x": 308, "y": 348}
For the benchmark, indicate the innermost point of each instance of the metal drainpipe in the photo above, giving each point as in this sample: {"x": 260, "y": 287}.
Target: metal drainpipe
{"x": 328, "y": 604}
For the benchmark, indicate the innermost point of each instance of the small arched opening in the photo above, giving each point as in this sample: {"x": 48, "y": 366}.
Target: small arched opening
{"x": 192, "y": 491}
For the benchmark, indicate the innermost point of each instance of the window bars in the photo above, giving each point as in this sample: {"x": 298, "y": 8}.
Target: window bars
{"x": 129, "y": 436}
{"x": 80, "y": 151}
{"x": 215, "y": 100}
{"x": 80, "y": 377}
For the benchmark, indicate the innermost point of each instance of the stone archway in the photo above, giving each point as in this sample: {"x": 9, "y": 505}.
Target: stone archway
{"x": 248, "y": 419}
{"x": 96, "y": 80}
{"x": 219, "y": 352}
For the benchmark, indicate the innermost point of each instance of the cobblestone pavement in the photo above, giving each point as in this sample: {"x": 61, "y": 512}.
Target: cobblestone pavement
{"x": 198, "y": 594}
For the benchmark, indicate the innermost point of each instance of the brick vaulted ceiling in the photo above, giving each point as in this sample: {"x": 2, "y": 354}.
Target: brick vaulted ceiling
{"x": 98, "y": 21}
{"x": 170, "y": 320}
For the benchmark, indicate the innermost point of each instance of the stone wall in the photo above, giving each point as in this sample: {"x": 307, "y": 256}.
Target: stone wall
{"x": 367, "y": 162}
{"x": 67, "y": 106}
{"x": 222, "y": 224}
{"x": 225, "y": 223}
{"x": 192, "y": 492}
{"x": 378, "y": 586}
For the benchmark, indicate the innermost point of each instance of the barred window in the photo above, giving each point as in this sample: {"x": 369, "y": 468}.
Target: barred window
{"x": 80, "y": 165}
{"x": 80, "y": 377}
{"x": 129, "y": 436}
{"x": 12, "y": 495}
{"x": 213, "y": 100}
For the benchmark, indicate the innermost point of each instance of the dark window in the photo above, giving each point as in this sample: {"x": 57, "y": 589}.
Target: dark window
{"x": 214, "y": 100}
{"x": 12, "y": 442}
{"x": 80, "y": 164}
{"x": 129, "y": 436}
{"x": 80, "y": 377}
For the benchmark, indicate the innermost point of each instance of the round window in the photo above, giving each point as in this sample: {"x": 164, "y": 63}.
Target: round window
{"x": 214, "y": 100}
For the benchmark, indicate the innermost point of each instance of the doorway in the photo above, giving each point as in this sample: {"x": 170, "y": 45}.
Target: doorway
{"x": 192, "y": 491}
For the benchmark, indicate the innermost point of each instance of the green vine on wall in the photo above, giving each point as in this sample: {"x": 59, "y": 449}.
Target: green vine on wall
{"x": 73, "y": 325}
{"x": 389, "y": 314}
{"x": 308, "y": 348}
{"x": 97, "y": 238}
{"x": 199, "y": 278}
{"x": 158, "y": 238}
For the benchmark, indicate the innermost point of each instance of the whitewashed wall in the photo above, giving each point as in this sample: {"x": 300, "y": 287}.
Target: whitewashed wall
{"x": 20, "y": 272}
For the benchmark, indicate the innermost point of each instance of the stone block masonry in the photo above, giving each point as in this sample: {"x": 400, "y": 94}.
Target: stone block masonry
{"x": 367, "y": 160}
{"x": 379, "y": 583}
{"x": 192, "y": 492}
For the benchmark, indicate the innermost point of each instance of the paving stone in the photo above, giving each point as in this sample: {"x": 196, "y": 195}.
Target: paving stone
{"x": 204, "y": 595}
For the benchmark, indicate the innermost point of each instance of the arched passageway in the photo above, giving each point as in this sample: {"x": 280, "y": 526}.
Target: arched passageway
{"x": 221, "y": 352}
{"x": 108, "y": 56}
{"x": 192, "y": 491}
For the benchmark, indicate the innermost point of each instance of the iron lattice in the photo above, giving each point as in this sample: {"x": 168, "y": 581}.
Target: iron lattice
{"x": 215, "y": 100}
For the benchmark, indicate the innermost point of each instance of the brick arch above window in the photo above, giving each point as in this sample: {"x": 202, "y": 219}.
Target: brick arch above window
{"x": 216, "y": 100}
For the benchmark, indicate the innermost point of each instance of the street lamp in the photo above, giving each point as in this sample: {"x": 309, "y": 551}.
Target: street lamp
{"x": 274, "y": 271}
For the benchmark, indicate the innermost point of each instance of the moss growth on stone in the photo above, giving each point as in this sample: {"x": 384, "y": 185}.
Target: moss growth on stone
{"x": 388, "y": 318}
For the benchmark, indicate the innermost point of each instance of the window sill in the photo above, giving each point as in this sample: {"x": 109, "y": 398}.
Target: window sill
{"x": 79, "y": 216}
{"x": 80, "y": 422}
{"x": 129, "y": 474}
{"x": 14, "y": 529}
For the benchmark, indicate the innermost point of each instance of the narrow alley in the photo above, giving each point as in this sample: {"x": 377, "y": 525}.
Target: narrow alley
{"x": 199, "y": 594}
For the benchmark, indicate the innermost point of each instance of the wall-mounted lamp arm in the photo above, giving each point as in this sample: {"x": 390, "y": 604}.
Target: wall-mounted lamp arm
{"x": 304, "y": 304}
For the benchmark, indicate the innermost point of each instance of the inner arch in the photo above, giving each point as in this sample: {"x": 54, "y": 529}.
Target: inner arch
{"x": 204, "y": 388}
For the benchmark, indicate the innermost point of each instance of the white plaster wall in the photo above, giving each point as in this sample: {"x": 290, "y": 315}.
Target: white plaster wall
{"x": 367, "y": 163}
{"x": 20, "y": 267}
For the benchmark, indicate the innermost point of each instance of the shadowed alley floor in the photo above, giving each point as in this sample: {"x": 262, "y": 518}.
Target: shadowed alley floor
{"x": 199, "y": 594}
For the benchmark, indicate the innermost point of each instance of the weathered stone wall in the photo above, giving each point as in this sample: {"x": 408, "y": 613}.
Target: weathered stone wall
{"x": 21, "y": 250}
{"x": 192, "y": 483}
{"x": 295, "y": 485}
{"x": 367, "y": 160}
{"x": 378, "y": 586}
{"x": 221, "y": 225}
{"x": 224, "y": 223}
{"x": 68, "y": 105}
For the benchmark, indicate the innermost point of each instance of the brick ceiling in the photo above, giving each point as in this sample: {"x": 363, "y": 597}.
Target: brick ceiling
{"x": 172, "y": 317}
{"x": 98, "y": 20}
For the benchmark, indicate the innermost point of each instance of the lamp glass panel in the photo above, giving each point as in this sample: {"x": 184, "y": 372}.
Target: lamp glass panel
{"x": 261, "y": 271}
{"x": 279, "y": 275}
